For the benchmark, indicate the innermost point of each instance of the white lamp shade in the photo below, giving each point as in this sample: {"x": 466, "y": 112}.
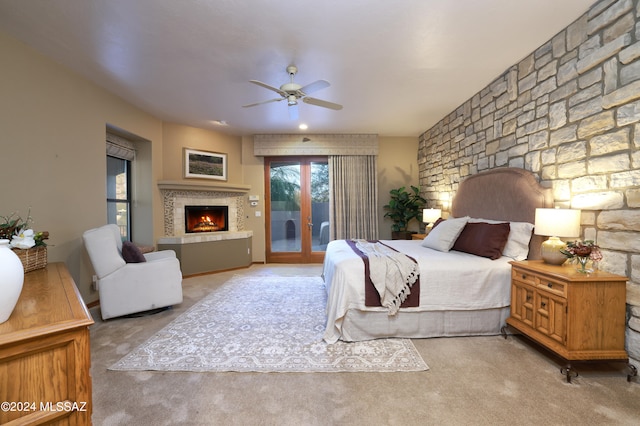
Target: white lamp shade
{"x": 557, "y": 222}
{"x": 431, "y": 215}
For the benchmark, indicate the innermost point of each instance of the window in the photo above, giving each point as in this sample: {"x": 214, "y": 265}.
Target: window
{"x": 119, "y": 195}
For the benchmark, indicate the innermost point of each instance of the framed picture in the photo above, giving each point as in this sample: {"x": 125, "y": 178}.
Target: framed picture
{"x": 205, "y": 164}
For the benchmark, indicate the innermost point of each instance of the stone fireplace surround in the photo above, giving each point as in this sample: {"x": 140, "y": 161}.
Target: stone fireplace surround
{"x": 176, "y": 195}
{"x": 205, "y": 252}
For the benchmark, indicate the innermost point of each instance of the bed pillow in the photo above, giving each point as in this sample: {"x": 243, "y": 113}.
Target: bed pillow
{"x": 483, "y": 239}
{"x": 444, "y": 234}
{"x": 131, "y": 253}
{"x": 517, "y": 246}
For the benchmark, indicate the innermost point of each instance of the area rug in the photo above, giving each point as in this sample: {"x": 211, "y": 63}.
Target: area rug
{"x": 264, "y": 324}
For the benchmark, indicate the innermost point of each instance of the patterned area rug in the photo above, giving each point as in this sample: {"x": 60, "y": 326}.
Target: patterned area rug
{"x": 264, "y": 324}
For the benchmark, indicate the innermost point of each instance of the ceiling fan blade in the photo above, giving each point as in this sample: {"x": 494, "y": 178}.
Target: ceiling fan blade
{"x": 315, "y": 86}
{"x": 266, "y": 86}
{"x": 321, "y": 103}
{"x": 293, "y": 112}
{"x": 263, "y": 102}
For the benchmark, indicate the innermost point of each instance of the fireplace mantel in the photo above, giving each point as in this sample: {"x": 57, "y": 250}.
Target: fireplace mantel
{"x": 178, "y": 194}
{"x": 207, "y": 251}
{"x": 177, "y": 185}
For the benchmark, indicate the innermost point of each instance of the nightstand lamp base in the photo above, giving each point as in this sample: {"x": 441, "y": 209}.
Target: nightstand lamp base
{"x": 550, "y": 251}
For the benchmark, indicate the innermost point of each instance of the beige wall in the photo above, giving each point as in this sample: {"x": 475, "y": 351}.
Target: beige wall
{"x": 253, "y": 169}
{"x": 397, "y": 166}
{"x": 243, "y": 168}
{"x": 53, "y": 150}
{"x": 176, "y": 137}
{"x": 52, "y": 145}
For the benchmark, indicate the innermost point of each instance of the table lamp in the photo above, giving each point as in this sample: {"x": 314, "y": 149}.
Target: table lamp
{"x": 429, "y": 216}
{"x": 556, "y": 223}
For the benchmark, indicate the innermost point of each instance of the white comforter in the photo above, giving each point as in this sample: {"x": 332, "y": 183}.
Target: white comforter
{"x": 448, "y": 281}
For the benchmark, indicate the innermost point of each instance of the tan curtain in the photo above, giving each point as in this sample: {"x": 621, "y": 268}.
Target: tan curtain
{"x": 353, "y": 196}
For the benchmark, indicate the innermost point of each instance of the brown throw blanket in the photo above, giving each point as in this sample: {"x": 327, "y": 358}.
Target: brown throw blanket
{"x": 372, "y": 296}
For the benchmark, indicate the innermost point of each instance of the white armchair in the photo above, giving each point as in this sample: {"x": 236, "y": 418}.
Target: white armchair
{"x": 127, "y": 288}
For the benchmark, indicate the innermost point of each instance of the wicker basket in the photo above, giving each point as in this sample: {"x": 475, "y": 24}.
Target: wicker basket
{"x": 33, "y": 258}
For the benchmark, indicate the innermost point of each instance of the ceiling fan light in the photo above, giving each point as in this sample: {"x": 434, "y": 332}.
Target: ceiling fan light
{"x": 292, "y": 92}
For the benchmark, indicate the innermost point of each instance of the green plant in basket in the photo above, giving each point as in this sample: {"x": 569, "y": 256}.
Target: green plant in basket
{"x": 20, "y": 232}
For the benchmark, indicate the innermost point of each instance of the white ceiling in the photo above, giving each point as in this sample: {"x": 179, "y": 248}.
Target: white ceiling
{"x": 397, "y": 67}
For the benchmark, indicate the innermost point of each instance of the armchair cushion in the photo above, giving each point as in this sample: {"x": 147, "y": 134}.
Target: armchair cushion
{"x": 103, "y": 251}
{"x": 131, "y": 253}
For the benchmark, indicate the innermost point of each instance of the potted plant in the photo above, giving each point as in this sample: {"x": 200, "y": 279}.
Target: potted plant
{"x": 27, "y": 244}
{"x": 402, "y": 208}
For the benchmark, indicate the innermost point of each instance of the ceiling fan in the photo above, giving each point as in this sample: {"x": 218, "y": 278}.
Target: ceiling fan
{"x": 292, "y": 92}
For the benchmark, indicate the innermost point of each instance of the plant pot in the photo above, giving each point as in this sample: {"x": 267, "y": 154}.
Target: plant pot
{"x": 32, "y": 258}
{"x": 401, "y": 235}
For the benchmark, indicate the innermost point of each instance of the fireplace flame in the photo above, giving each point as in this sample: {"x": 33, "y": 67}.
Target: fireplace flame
{"x": 206, "y": 224}
{"x": 205, "y": 219}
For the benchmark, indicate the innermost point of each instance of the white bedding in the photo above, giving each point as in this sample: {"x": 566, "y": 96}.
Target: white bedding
{"x": 451, "y": 281}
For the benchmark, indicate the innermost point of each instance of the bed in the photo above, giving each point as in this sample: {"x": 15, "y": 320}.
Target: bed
{"x": 460, "y": 294}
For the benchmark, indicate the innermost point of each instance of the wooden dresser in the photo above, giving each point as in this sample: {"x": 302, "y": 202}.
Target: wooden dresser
{"x": 580, "y": 317}
{"x": 44, "y": 353}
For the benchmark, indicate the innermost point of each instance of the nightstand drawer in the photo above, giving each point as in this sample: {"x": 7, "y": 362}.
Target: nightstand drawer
{"x": 523, "y": 276}
{"x": 552, "y": 286}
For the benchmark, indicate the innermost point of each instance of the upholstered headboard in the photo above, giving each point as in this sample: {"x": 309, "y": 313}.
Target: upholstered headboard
{"x": 508, "y": 194}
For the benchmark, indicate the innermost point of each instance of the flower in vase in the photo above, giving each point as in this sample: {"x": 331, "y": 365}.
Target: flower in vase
{"x": 582, "y": 251}
{"x": 588, "y": 248}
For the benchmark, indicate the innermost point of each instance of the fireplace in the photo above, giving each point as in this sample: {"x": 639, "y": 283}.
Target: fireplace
{"x": 206, "y": 219}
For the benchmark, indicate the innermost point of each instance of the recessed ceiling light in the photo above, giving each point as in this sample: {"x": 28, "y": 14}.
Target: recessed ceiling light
{"x": 220, "y": 122}
{"x": 303, "y": 127}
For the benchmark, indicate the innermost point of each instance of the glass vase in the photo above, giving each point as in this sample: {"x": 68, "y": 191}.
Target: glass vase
{"x": 582, "y": 265}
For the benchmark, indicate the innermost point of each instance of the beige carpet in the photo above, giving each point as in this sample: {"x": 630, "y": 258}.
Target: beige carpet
{"x": 472, "y": 381}
{"x": 264, "y": 324}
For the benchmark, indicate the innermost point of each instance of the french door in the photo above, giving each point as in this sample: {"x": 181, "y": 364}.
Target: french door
{"x": 297, "y": 209}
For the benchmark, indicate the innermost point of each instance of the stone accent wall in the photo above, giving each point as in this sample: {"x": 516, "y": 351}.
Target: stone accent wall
{"x": 570, "y": 113}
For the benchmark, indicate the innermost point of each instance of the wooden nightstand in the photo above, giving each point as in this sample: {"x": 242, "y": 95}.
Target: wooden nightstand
{"x": 579, "y": 317}
{"x": 418, "y": 236}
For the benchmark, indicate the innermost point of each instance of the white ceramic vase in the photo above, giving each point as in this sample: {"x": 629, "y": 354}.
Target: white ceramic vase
{"x": 11, "y": 279}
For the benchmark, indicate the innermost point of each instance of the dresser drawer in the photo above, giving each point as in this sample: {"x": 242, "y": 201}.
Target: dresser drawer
{"x": 552, "y": 286}
{"x": 523, "y": 276}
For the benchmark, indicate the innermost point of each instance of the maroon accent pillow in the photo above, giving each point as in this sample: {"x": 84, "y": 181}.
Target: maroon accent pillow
{"x": 437, "y": 222}
{"x": 131, "y": 253}
{"x": 483, "y": 239}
